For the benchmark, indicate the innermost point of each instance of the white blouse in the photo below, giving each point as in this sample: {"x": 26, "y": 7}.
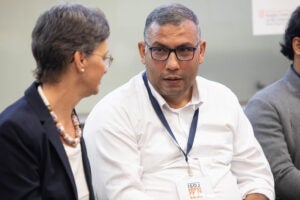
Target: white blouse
{"x": 75, "y": 159}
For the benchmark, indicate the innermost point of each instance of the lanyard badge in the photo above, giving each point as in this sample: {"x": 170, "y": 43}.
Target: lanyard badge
{"x": 195, "y": 188}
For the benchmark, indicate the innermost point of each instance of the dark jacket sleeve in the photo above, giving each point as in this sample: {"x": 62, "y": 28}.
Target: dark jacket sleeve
{"x": 19, "y": 163}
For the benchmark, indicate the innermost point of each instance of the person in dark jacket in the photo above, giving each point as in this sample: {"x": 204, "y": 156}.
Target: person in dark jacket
{"x": 42, "y": 153}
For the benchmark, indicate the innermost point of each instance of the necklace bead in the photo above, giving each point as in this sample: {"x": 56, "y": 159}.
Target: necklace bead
{"x": 65, "y": 136}
{"x": 75, "y": 121}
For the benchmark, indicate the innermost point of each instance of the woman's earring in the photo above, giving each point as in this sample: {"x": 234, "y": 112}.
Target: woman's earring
{"x": 82, "y": 69}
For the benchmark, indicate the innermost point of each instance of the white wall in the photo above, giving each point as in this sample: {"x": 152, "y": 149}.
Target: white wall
{"x": 234, "y": 56}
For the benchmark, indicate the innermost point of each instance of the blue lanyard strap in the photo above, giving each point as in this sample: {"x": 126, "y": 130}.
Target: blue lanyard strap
{"x": 164, "y": 121}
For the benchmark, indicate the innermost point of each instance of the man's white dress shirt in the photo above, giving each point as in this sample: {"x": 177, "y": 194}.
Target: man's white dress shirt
{"x": 133, "y": 156}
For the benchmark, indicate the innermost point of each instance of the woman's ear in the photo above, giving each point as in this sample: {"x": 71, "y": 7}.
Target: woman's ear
{"x": 79, "y": 61}
{"x": 142, "y": 51}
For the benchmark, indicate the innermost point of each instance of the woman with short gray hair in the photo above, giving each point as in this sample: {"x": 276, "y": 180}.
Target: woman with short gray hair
{"x": 42, "y": 153}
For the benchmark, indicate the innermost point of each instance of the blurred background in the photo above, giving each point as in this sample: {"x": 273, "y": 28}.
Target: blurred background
{"x": 234, "y": 56}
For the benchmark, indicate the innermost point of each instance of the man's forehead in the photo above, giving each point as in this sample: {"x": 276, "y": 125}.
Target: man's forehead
{"x": 186, "y": 32}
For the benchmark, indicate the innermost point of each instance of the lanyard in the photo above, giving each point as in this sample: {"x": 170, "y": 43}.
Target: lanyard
{"x": 162, "y": 118}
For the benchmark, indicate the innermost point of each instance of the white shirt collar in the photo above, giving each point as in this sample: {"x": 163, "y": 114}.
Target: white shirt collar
{"x": 195, "y": 101}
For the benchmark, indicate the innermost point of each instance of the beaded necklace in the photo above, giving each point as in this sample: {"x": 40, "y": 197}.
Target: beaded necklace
{"x": 65, "y": 136}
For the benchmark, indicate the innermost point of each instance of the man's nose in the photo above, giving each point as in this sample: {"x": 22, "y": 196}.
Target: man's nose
{"x": 172, "y": 61}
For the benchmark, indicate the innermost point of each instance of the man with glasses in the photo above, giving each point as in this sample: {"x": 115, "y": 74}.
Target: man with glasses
{"x": 170, "y": 134}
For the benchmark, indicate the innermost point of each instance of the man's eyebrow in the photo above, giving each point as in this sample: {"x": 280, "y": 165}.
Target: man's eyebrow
{"x": 158, "y": 44}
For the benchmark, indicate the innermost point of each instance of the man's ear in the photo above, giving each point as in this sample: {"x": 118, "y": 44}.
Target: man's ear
{"x": 202, "y": 51}
{"x": 79, "y": 61}
{"x": 296, "y": 45}
{"x": 142, "y": 51}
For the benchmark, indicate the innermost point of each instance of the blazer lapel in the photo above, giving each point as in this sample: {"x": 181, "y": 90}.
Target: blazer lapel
{"x": 51, "y": 131}
{"x": 55, "y": 140}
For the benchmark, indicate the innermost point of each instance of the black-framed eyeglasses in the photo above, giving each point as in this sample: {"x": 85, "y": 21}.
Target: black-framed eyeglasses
{"x": 108, "y": 59}
{"x": 183, "y": 53}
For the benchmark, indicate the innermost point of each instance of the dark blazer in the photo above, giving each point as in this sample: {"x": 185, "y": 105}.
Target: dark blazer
{"x": 275, "y": 115}
{"x": 33, "y": 161}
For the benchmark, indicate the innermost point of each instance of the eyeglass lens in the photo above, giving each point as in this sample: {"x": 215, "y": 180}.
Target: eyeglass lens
{"x": 108, "y": 60}
{"x": 182, "y": 53}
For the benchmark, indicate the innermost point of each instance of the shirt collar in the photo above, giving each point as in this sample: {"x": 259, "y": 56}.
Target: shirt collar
{"x": 292, "y": 78}
{"x": 292, "y": 66}
{"x": 195, "y": 101}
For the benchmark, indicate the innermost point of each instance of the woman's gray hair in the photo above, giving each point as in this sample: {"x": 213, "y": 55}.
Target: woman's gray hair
{"x": 172, "y": 13}
{"x": 62, "y": 30}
